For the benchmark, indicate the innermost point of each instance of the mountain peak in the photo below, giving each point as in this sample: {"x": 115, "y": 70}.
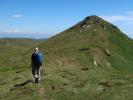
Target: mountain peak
{"x": 93, "y": 22}
{"x": 90, "y": 22}
{"x": 92, "y": 17}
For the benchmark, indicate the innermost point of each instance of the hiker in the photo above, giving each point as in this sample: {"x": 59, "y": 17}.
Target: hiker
{"x": 36, "y": 63}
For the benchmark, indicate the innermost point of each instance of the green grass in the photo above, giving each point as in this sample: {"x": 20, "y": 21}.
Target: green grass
{"x": 67, "y": 83}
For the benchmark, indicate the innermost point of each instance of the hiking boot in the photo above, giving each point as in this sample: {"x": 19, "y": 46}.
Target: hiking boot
{"x": 36, "y": 80}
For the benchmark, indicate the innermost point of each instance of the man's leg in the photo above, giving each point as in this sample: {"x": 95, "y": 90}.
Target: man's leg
{"x": 38, "y": 73}
{"x": 33, "y": 70}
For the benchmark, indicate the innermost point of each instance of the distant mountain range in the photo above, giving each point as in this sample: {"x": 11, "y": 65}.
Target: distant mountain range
{"x": 23, "y": 42}
{"x": 24, "y": 35}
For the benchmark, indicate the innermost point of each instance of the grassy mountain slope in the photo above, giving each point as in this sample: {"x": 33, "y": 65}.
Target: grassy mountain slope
{"x": 90, "y": 61}
{"x": 12, "y": 51}
{"x": 94, "y": 39}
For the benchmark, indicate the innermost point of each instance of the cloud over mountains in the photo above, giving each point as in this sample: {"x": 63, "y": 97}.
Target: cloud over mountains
{"x": 17, "y": 16}
{"x": 127, "y": 17}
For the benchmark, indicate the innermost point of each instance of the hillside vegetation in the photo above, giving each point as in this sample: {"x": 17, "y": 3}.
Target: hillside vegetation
{"x": 92, "y": 60}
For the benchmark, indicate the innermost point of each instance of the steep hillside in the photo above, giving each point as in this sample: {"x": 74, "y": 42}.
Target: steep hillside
{"x": 92, "y": 60}
{"x": 93, "y": 40}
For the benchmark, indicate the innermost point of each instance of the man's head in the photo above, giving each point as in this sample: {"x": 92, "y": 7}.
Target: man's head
{"x": 36, "y": 50}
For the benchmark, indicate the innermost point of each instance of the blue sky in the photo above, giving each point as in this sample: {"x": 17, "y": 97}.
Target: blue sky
{"x": 45, "y": 18}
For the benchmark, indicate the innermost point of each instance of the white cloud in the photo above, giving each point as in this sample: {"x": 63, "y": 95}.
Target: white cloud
{"x": 13, "y": 31}
{"x": 128, "y": 17}
{"x": 18, "y": 31}
{"x": 118, "y": 18}
{"x": 17, "y": 16}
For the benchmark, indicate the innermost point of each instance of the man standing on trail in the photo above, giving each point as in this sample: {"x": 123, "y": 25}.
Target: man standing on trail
{"x": 36, "y": 62}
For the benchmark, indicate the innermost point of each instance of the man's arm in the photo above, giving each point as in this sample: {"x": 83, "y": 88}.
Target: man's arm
{"x": 41, "y": 59}
{"x": 31, "y": 60}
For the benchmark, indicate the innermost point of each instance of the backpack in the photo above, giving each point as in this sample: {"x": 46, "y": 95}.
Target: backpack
{"x": 39, "y": 58}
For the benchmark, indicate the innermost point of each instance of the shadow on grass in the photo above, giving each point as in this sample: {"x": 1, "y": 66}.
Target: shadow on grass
{"x": 24, "y": 83}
